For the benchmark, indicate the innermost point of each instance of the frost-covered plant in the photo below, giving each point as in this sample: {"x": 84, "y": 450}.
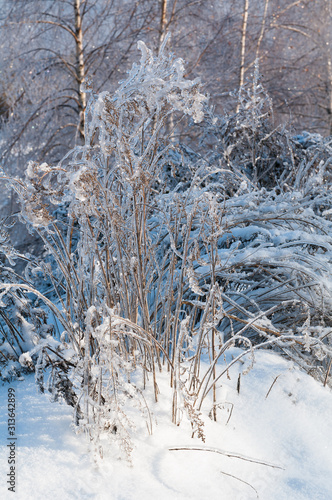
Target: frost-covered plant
{"x": 246, "y": 141}
{"x": 147, "y": 271}
{"x": 22, "y": 322}
{"x": 252, "y": 270}
{"x": 256, "y": 152}
{"x": 104, "y": 252}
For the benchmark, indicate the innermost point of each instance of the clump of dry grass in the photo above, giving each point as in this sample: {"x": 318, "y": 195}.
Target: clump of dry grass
{"x": 147, "y": 273}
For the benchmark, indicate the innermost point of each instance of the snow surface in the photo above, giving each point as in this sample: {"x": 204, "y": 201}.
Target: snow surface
{"x": 290, "y": 428}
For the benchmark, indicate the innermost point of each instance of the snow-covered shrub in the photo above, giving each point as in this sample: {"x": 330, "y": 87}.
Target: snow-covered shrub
{"x": 104, "y": 252}
{"x": 150, "y": 269}
{"x": 22, "y": 322}
{"x": 256, "y": 152}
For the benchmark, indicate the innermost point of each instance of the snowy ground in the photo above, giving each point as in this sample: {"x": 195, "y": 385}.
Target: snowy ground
{"x": 290, "y": 428}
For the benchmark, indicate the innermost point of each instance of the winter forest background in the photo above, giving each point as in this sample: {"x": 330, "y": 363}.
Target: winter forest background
{"x": 166, "y": 218}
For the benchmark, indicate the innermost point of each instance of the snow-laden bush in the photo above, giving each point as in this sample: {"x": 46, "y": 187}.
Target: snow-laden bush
{"x": 259, "y": 154}
{"x": 104, "y": 252}
{"x": 147, "y": 271}
{"x": 22, "y": 323}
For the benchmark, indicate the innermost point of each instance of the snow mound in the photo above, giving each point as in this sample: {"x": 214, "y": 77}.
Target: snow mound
{"x": 285, "y": 423}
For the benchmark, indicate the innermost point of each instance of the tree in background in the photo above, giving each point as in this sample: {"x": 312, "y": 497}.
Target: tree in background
{"x": 296, "y": 64}
{"x": 57, "y": 46}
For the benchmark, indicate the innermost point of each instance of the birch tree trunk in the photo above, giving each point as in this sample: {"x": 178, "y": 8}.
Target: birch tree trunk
{"x": 260, "y": 38}
{"x": 163, "y": 22}
{"x": 243, "y": 44}
{"x": 80, "y": 67}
